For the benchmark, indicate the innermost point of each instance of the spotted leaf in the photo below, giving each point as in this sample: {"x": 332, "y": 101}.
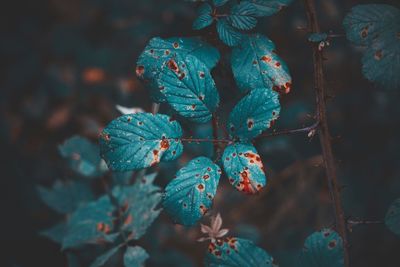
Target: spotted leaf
{"x": 204, "y": 17}
{"x": 244, "y": 168}
{"x": 254, "y": 113}
{"x": 269, "y": 7}
{"x": 232, "y": 251}
{"x": 140, "y": 140}
{"x": 323, "y": 248}
{"x": 190, "y": 193}
{"x": 229, "y": 35}
{"x": 189, "y": 88}
{"x": 135, "y": 257}
{"x": 377, "y": 27}
{"x": 392, "y": 219}
{"x": 138, "y": 202}
{"x": 255, "y": 64}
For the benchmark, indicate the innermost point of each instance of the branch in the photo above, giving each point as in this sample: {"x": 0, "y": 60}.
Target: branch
{"x": 217, "y": 147}
{"x": 323, "y": 130}
{"x": 309, "y": 129}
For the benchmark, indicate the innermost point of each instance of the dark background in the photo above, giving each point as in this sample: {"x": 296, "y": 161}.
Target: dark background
{"x": 66, "y": 64}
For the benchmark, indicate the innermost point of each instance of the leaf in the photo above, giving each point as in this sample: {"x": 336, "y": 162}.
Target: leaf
{"x": 242, "y": 16}
{"x": 219, "y": 3}
{"x": 83, "y": 156}
{"x": 377, "y": 27}
{"x": 65, "y": 197}
{"x": 269, "y": 7}
{"x": 317, "y": 37}
{"x": 135, "y": 257}
{"x": 227, "y": 33}
{"x": 139, "y": 202}
{"x": 141, "y": 140}
{"x": 189, "y": 195}
{"x": 91, "y": 223}
{"x": 232, "y": 251}
{"x": 102, "y": 259}
{"x": 254, "y": 113}
{"x": 55, "y": 233}
{"x": 323, "y": 248}
{"x": 244, "y": 168}
{"x": 204, "y": 17}
{"x": 189, "y": 88}
{"x": 392, "y": 218}
{"x": 255, "y": 64}
{"x": 159, "y": 51}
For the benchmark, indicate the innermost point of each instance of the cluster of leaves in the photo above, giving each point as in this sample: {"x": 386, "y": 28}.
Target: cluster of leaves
{"x": 376, "y": 27}
{"x": 114, "y": 220}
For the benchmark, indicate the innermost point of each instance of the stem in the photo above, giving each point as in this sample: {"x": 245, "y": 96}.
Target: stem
{"x": 323, "y": 130}
{"x": 217, "y": 148}
{"x": 202, "y": 140}
{"x": 307, "y": 129}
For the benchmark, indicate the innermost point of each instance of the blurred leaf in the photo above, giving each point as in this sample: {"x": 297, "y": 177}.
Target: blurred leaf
{"x": 204, "y": 17}
{"x": 102, "y": 259}
{"x": 189, "y": 88}
{"x": 269, "y": 7}
{"x": 139, "y": 202}
{"x": 392, "y": 219}
{"x": 255, "y": 64}
{"x": 254, "y": 113}
{"x": 244, "y": 168}
{"x": 317, "y": 37}
{"x": 242, "y": 16}
{"x": 140, "y": 140}
{"x": 218, "y": 3}
{"x": 238, "y": 252}
{"x": 377, "y": 27}
{"x": 227, "y": 33}
{"x": 55, "y": 233}
{"x": 83, "y": 156}
{"x": 66, "y": 197}
{"x": 189, "y": 195}
{"x": 135, "y": 257}
{"x": 322, "y": 248}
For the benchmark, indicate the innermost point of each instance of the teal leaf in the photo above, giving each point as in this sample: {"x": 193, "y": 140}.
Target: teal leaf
{"x": 189, "y": 195}
{"x": 91, "y": 223}
{"x": 227, "y": 33}
{"x": 159, "y": 51}
{"x": 135, "y": 257}
{"x": 244, "y": 168}
{"x": 65, "y": 197}
{"x": 242, "y": 16}
{"x": 254, "y": 113}
{"x": 392, "y": 218}
{"x": 377, "y": 27}
{"x": 204, "y": 17}
{"x": 55, "y": 233}
{"x": 317, "y": 37}
{"x": 232, "y": 251}
{"x": 139, "y": 203}
{"x": 218, "y": 3}
{"x": 255, "y": 64}
{"x": 322, "y": 248}
{"x": 83, "y": 156}
{"x": 102, "y": 259}
{"x": 189, "y": 88}
{"x": 140, "y": 140}
{"x": 269, "y": 7}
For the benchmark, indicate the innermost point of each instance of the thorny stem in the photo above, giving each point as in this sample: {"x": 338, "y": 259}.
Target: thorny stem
{"x": 323, "y": 129}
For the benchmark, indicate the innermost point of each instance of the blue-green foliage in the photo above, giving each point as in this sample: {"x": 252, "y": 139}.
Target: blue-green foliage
{"x": 322, "y": 248}
{"x": 188, "y": 87}
{"x": 102, "y": 259}
{"x": 317, "y": 37}
{"x": 83, "y": 156}
{"x": 238, "y": 252}
{"x": 254, "y": 114}
{"x": 138, "y": 203}
{"x": 159, "y": 51}
{"x": 229, "y": 35}
{"x": 189, "y": 195}
{"x": 255, "y": 64}
{"x": 377, "y": 27}
{"x": 55, "y": 233}
{"x": 140, "y": 140}
{"x": 66, "y": 197}
{"x": 204, "y": 18}
{"x": 218, "y": 3}
{"x": 244, "y": 168}
{"x": 135, "y": 257}
{"x": 269, "y": 7}
{"x": 242, "y": 16}
{"x": 392, "y": 218}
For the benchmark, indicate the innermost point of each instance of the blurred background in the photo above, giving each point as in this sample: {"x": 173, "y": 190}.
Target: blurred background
{"x": 67, "y": 64}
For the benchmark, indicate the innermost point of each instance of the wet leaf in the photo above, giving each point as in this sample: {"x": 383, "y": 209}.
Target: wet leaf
{"x": 242, "y": 16}
{"x": 392, "y": 219}
{"x": 135, "y": 257}
{"x": 227, "y": 33}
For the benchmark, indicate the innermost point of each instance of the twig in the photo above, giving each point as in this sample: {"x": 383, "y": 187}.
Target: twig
{"x": 308, "y": 129}
{"x": 202, "y": 140}
{"x": 217, "y": 147}
{"x": 323, "y": 130}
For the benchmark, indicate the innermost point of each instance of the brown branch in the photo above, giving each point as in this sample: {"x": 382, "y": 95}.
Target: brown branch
{"x": 323, "y": 129}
